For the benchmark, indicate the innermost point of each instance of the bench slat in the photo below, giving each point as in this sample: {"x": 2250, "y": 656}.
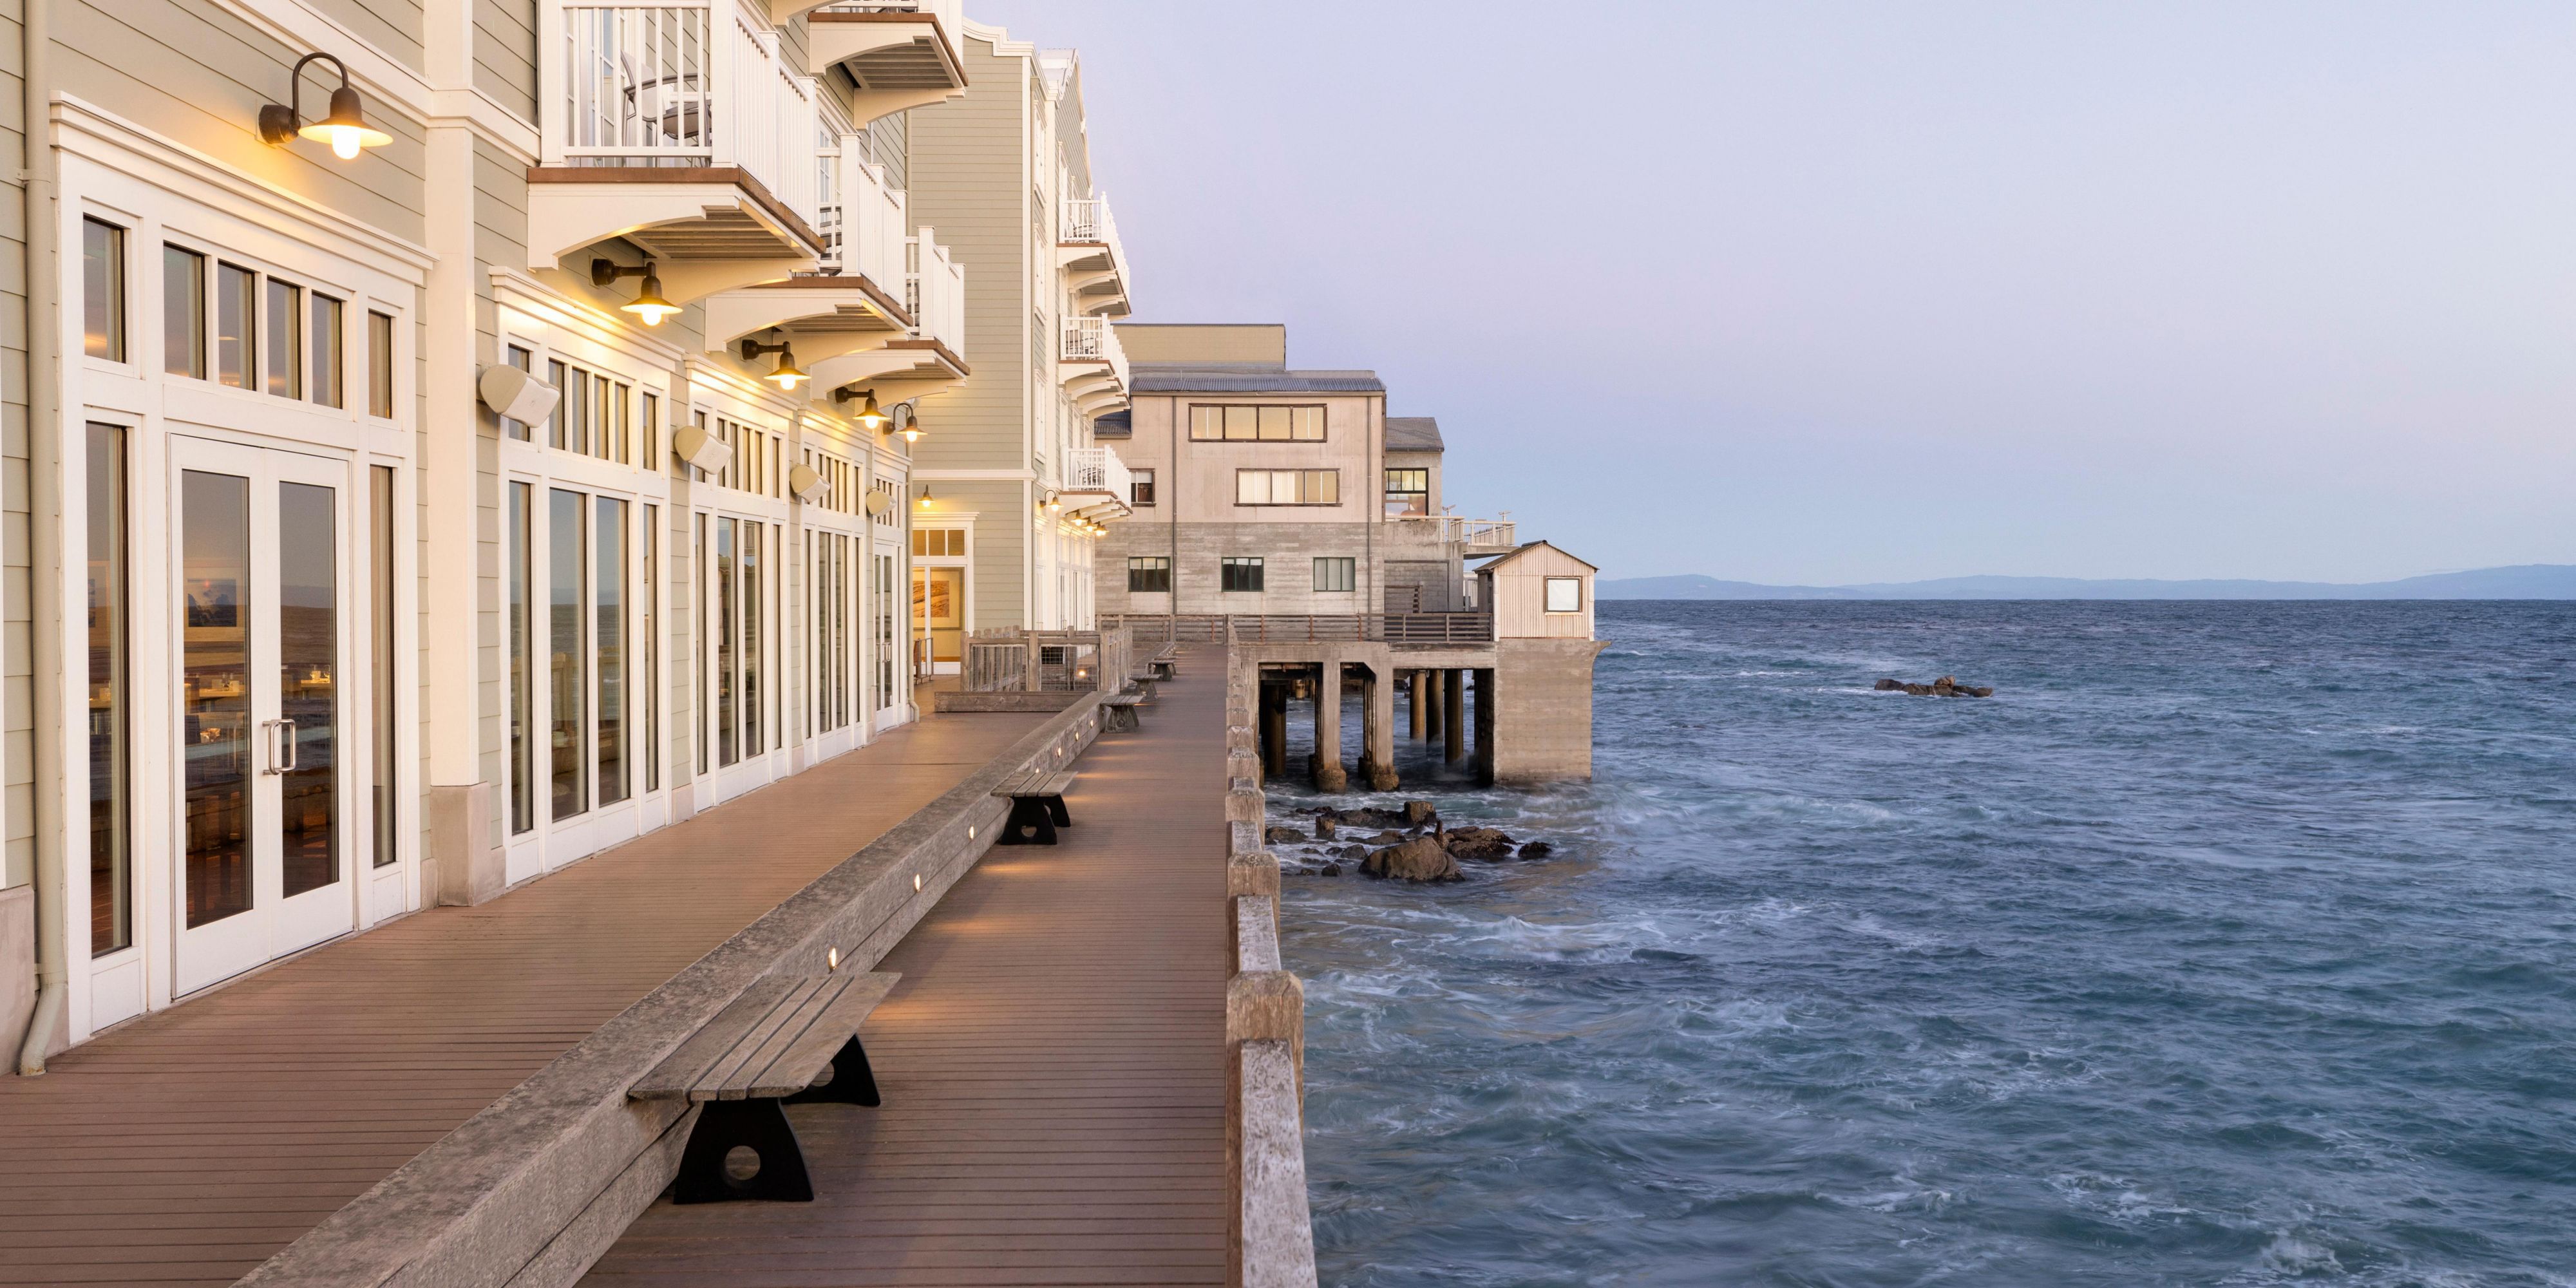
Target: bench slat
{"x": 713, "y": 1041}
{"x": 733, "y": 1075}
{"x": 831, "y": 1018}
{"x": 1057, "y": 785}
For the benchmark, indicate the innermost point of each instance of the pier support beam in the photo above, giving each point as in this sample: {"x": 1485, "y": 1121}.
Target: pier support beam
{"x": 1430, "y": 681}
{"x": 1420, "y": 705}
{"x": 1377, "y": 728}
{"x": 1329, "y": 774}
{"x": 1453, "y": 716}
{"x": 1486, "y": 693}
{"x": 1274, "y": 728}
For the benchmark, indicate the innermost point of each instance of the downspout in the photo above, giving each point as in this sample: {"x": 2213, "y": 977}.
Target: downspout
{"x": 44, "y": 501}
{"x": 1172, "y": 506}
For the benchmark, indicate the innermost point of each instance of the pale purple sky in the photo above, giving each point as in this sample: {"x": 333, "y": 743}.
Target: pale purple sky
{"x": 1830, "y": 293}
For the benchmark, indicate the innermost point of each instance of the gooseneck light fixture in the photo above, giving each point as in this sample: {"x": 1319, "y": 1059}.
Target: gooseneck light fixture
{"x": 907, "y": 422}
{"x": 345, "y": 129}
{"x": 788, "y": 375}
{"x": 925, "y": 496}
{"x": 648, "y": 303}
{"x": 869, "y": 414}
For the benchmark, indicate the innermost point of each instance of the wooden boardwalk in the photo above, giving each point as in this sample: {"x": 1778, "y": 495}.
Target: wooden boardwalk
{"x": 194, "y": 1143}
{"x": 1053, "y": 1063}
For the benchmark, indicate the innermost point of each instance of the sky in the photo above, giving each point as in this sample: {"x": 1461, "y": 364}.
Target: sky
{"x": 1826, "y": 293}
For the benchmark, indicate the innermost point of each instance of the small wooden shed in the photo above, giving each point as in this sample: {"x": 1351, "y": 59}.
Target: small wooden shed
{"x": 1538, "y": 592}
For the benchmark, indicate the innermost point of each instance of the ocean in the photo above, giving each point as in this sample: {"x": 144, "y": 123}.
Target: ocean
{"x": 2228, "y": 943}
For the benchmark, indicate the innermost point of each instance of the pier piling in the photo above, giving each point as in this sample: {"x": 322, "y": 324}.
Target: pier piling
{"x": 1328, "y": 772}
{"x": 1453, "y": 716}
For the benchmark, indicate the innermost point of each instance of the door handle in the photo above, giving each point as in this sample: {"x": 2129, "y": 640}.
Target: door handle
{"x": 282, "y": 752}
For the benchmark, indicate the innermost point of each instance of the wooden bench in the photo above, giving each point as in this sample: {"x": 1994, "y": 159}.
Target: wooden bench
{"x": 1142, "y": 680}
{"x": 1166, "y": 662}
{"x": 1037, "y": 806}
{"x": 1122, "y": 710}
{"x": 770, "y": 1046}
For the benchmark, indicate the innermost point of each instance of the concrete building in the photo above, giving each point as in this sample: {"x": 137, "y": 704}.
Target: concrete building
{"x": 410, "y": 510}
{"x": 1267, "y": 489}
{"x": 1011, "y": 488}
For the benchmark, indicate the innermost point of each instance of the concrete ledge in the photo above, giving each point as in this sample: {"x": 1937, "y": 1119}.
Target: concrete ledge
{"x": 1018, "y": 701}
{"x": 1273, "y": 1230}
{"x": 536, "y": 1187}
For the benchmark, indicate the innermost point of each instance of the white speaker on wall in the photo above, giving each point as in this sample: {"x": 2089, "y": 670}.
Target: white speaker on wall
{"x": 516, "y": 395}
{"x": 805, "y": 484}
{"x": 701, "y": 449}
{"x": 879, "y": 502}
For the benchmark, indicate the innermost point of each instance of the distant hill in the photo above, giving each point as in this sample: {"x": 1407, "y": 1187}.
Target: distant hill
{"x": 2521, "y": 581}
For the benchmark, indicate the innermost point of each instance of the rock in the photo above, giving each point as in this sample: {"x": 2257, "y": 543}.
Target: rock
{"x": 1891, "y": 686}
{"x": 1332, "y": 869}
{"x": 1419, "y": 813}
{"x": 1324, "y": 824}
{"x": 1351, "y": 852}
{"x": 1482, "y": 843}
{"x": 1388, "y": 838}
{"x": 1537, "y": 850}
{"x": 1275, "y": 835}
{"x": 1947, "y": 686}
{"x": 1419, "y": 860}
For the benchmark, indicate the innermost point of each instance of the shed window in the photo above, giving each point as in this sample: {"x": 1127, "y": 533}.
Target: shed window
{"x": 1565, "y": 594}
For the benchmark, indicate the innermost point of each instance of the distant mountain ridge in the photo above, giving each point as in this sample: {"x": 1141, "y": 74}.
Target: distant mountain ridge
{"x": 2519, "y": 581}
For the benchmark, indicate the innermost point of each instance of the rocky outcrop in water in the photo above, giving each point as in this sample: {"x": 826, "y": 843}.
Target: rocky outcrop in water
{"x": 1418, "y": 860}
{"x": 1483, "y": 844}
{"x": 1947, "y": 686}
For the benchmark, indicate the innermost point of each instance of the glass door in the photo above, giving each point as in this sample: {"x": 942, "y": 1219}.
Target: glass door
{"x": 939, "y": 604}
{"x": 263, "y": 608}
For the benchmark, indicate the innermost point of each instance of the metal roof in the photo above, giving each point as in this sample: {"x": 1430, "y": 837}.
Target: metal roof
{"x": 1117, "y": 424}
{"x": 1248, "y": 378}
{"x": 1413, "y": 434}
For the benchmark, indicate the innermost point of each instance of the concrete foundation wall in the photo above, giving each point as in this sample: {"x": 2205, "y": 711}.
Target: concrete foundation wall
{"x": 1541, "y": 718}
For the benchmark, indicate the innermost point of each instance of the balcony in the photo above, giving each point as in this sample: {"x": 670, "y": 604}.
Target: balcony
{"x": 1475, "y": 537}
{"x": 853, "y": 304}
{"x": 928, "y": 356}
{"x": 679, "y": 127}
{"x": 1097, "y": 485}
{"x": 901, "y": 53}
{"x": 1093, "y": 259}
{"x": 1094, "y": 366}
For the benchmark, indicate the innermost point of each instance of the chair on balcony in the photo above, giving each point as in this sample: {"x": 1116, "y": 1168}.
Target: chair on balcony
{"x": 675, "y": 104}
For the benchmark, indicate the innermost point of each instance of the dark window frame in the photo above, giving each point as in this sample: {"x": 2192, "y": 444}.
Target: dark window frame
{"x": 1149, "y": 574}
{"x": 1241, "y": 574}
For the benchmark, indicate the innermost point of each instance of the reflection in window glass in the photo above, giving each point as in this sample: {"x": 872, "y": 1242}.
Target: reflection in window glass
{"x": 236, "y": 305}
{"x": 111, "y": 900}
{"x": 326, "y": 350}
{"x": 214, "y": 684}
{"x": 283, "y": 352}
{"x": 380, "y": 527}
{"x": 727, "y": 647}
{"x": 565, "y": 650}
{"x": 754, "y": 697}
{"x": 647, "y": 678}
{"x": 102, "y": 290}
{"x": 308, "y": 688}
{"x": 183, "y": 313}
{"x": 523, "y": 715}
{"x": 380, "y": 365}
{"x": 608, "y": 643}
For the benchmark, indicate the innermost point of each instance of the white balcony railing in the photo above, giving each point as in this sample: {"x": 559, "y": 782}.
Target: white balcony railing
{"x": 1090, "y": 340}
{"x": 1087, "y": 220}
{"x": 863, "y": 226}
{"x": 1098, "y": 469}
{"x": 679, "y": 83}
{"x": 934, "y": 292}
{"x": 1460, "y": 530}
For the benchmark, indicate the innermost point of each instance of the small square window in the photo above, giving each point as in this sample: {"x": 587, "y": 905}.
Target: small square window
{"x": 1240, "y": 573}
{"x": 1565, "y": 594}
{"x": 1149, "y": 574}
{"x": 380, "y": 366}
{"x": 1336, "y": 574}
{"x": 1141, "y": 492}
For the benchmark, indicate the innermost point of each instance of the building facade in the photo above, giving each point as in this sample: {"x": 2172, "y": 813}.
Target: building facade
{"x": 1259, "y": 488}
{"x": 1011, "y": 488}
{"x": 400, "y": 512}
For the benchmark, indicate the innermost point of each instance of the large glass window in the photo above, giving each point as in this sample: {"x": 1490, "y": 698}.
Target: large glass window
{"x": 214, "y": 679}
{"x": 565, "y": 649}
{"x": 102, "y": 290}
{"x": 648, "y": 676}
{"x": 523, "y": 679}
{"x": 608, "y": 645}
{"x": 728, "y": 629}
{"x": 236, "y": 312}
{"x": 1149, "y": 574}
{"x": 183, "y": 313}
{"x": 1239, "y": 573}
{"x": 380, "y": 526}
{"x": 1249, "y": 424}
{"x": 755, "y": 696}
{"x": 1408, "y": 492}
{"x": 111, "y": 890}
{"x": 308, "y": 674}
{"x": 1287, "y": 487}
{"x": 1336, "y": 574}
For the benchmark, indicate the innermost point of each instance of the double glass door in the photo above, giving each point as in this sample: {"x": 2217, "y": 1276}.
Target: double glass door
{"x": 262, "y": 727}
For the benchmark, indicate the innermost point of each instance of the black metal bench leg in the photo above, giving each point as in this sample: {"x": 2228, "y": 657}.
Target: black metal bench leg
{"x": 725, "y": 1125}
{"x": 1030, "y": 823}
{"x": 1057, "y": 814}
{"x": 852, "y": 1081}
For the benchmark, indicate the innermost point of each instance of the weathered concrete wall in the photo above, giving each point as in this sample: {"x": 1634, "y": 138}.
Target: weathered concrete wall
{"x": 1542, "y": 710}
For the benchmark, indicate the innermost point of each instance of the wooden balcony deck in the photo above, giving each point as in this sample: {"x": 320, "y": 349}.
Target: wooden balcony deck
{"x": 194, "y": 1143}
{"x": 1053, "y": 1063}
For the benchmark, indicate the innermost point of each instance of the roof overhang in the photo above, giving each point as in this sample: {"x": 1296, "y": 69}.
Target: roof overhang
{"x": 896, "y": 371}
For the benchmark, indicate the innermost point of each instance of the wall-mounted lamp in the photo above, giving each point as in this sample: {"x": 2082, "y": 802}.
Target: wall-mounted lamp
{"x": 648, "y": 303}
{"x": 1055, "y": 502}
{"x": 907, "y": 422}
{"x": 788, "y": 375}
{"x": 345, "y": 129}
{"x": 870, "y": 414}
{"x": 925, "y": 497}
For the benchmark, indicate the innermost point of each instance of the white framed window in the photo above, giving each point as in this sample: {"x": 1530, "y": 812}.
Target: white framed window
{"x": 1565, "y": 594}
{"x": 1287, "y": 487}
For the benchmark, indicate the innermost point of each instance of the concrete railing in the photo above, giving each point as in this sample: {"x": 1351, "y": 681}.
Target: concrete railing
{"x": 1316, "y": 628}
{"x": 1271, "y": 1232}
{"x": 532, "y": 1190}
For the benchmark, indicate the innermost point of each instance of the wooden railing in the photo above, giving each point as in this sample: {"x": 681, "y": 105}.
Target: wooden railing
{"x": 1419, "y": 629}
{"x": 1049, "y": 661}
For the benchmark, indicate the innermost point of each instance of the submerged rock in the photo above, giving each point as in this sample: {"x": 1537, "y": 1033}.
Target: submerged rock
{"x": 1323, "y": 827}
{"x": 1419, "y": 814}
{"x": 1278, "y": 835}
{"x": 1481, "y": 843}
{"x": 1418, "y": 860}
{"x": 1947, "y": 686}
{"x": 1537, "y": 850}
